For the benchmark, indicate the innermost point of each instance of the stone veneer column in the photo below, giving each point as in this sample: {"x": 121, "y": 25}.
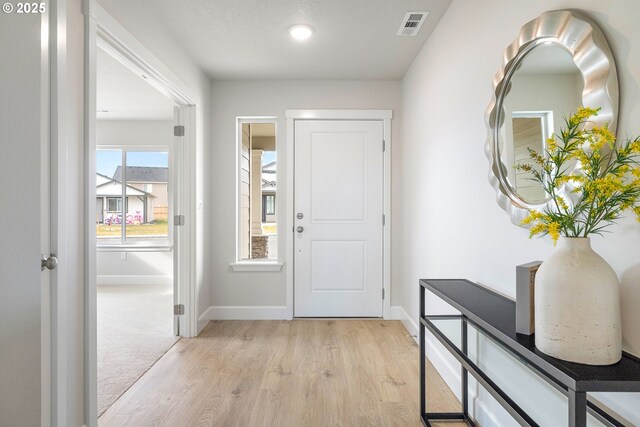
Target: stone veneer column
{"x": 259, "y": 243}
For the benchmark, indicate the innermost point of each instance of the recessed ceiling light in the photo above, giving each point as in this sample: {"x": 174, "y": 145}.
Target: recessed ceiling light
{"x": 301, "y": 31}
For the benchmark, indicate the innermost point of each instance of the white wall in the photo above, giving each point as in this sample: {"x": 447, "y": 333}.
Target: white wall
{"x": 268, "y": 98}
{"x": 447, "y": 220}
{"x": 134, "y": 132}
{"x": 138, "y": 268}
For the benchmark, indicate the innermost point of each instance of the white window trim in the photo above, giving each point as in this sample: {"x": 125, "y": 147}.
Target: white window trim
{"x": 116, "y": 199}
{"x": 546, "y": 117}
{"x": 257, "y": 265}
{"x": 247, "y": 265}
{"x": 161, "y": 245}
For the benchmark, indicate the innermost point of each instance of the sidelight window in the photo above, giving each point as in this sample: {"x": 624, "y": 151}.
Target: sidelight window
{"x": 257, "y": 190}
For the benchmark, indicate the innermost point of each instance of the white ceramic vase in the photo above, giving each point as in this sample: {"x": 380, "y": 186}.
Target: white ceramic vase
{"x": 577, "y": 305}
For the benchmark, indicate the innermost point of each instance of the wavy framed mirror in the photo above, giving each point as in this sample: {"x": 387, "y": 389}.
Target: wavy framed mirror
{"x": 559, "y": 62}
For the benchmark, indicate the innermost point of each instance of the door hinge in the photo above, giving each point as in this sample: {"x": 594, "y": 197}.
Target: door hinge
{"x": 178, "y": 131}
{"x": 178, "y": 220}
{"x": 178, "y": 309}
{"x": 384, "y": 145}
{"x": 382, "y": 293}
{"x": 384, "y": 219}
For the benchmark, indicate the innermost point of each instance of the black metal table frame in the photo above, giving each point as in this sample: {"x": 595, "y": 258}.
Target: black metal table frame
{"x": 579, "y": 405}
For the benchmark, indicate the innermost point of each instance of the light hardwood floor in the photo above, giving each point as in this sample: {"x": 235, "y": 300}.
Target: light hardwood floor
{"x": 285, "y": 374}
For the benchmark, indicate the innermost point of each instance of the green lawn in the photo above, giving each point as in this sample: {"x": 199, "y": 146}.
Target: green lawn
{"x": 269, "y": 228}
{"x": 158, "y": 228}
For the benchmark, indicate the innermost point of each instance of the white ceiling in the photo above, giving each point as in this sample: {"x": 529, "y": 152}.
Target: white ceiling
{"x": 263, "y": 129}
{"x": 126, "y": 95}
{"x": 249, "y": 39}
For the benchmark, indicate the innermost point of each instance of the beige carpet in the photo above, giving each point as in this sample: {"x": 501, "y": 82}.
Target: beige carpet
{"x": 135, "y": 328}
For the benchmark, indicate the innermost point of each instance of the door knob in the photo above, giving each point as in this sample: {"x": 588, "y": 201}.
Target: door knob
{"x": 48, "y": 263}
{"x": 300, "y": 229}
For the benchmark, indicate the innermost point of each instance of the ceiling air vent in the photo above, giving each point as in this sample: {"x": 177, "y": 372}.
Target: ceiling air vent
{"x": 411, "y": 23}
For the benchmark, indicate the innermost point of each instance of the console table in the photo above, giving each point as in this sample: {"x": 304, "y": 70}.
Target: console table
{"x": 488, "y": 318}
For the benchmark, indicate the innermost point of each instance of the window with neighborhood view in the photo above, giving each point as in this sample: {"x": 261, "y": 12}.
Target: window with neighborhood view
{"x": 257, "y": 185}
{"x": 141, "y": 179}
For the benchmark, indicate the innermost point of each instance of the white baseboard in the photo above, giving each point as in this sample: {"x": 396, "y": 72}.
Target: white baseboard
{"x": 446, "y": 366}
{"x": 398, "y": 312}
{"x": 244, "y": 313}
{"x": 113, "y": 279}
{"x": 202, "y": 322}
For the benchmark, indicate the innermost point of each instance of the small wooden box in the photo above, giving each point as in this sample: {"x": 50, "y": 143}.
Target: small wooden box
{"x": 525, "y": 297}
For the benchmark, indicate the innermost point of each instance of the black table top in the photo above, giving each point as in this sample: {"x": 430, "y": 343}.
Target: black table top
{"x": 497, "y": 315}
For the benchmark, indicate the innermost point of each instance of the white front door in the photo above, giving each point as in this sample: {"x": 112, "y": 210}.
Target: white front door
{"x": 338, "y": 243}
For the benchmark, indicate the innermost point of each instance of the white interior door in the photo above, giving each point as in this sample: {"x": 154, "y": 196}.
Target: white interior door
{"x": 24, "y": 215}
{"x": 338, "y": 243}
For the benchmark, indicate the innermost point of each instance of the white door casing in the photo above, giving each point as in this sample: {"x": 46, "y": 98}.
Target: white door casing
{"x": 338, "y": 252}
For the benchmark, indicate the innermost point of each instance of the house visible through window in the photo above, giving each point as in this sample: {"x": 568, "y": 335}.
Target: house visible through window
{"x": 257, "y": 186}
{"x": 141, "y": 179}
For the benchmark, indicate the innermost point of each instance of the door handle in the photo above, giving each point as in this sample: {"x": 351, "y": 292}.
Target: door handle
{"x": 49, "y": 263}
{"x": 300, "y": 229}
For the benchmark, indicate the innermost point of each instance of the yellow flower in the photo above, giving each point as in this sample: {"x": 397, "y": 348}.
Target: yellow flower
{"x": 582, "y": 114}
{"x": 622, "y": 170}
{"x": 608, "y": 185}
{"x": 604, "y": 182}
{"x": 532, "y": 217}
{"x": 523, "y": 167}
{"x": 536, "y": 157}
{"x": 539, "y": 228}
{"x": 625, "y": 205}
{"x": 601, "y": 135}
{"x": 554, "y": 231}
{"x": 580, "y": 155}
{"x": 561, "y": 202}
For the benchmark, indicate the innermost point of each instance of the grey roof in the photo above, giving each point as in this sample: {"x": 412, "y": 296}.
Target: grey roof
{"x": 144, "y": 174}
{"x": 103, "y": 175}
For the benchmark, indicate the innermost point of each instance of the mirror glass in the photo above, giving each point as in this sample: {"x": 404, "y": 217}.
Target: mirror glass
{"x": 546, "y": 88}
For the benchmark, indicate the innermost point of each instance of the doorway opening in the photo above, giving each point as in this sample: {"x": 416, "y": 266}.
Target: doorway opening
{"x": 151, "y": 223}
{"x": 134, "y": 201}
